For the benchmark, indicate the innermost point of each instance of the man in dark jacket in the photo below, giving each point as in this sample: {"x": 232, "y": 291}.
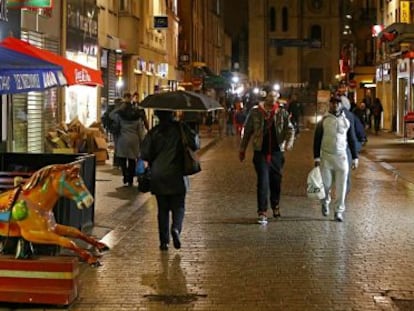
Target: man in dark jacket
{"x": 163, "y": 149}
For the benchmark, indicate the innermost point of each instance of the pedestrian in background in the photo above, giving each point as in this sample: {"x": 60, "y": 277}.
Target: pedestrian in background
{"x": 296, "y": 111}
{"x": 332, "y": 136}
{"x": 163, "y": 149}
{"x": 239, "y": 118}
{"x": 376, "y": 111}
{"x": 271, "y": 130}
{"x": 127, "y": 143}
{"x": 230, "y": 121}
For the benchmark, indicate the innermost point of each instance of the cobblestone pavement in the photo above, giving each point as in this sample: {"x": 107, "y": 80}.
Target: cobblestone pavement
{"x": 302, "y": 261}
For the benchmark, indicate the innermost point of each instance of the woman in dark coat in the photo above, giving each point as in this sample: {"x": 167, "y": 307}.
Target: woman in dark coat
{"x": 164, "y": 151}
{"x": 128, "y": 140}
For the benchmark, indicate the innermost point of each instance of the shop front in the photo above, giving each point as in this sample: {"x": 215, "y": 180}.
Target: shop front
{"x": 404, "y": 93}
{"x": 385, "y": 92}
{"x": 81, "y": 100}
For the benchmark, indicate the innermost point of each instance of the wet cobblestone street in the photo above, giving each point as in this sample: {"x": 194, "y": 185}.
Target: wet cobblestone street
{"x": 303, "y": 261}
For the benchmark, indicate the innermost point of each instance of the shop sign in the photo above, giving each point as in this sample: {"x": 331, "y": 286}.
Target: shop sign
{"x": 34, "y": 4}
{"x": 118, "y": 67}
{"x": 82, "y": 26}
{"x": 378, "y": 73}
{"x": 160, "y": 22}
{"x": 402, "y": 69}
{"x": 352, "y": 84}
{"x": 386, "y": 72}
{"x": 405, "y": 12}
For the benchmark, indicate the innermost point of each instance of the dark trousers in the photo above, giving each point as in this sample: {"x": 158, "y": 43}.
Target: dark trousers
{"x": 166, "y": 203}
{"x": 128, "y": 169}
{"x": 377, "y": 121}
{"x": 269, "y": 179}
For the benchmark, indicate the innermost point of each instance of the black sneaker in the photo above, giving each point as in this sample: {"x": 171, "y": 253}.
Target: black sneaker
{"x": 276, "y": 211}
{"x": 325, "y": 210}
{"x": 164, "y": 247}
{"x": 176, "y": 238}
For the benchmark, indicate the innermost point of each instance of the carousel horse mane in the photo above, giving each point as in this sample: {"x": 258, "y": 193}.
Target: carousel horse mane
{"x": 40, "y": 175}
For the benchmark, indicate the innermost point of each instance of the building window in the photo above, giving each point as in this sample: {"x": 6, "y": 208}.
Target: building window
{"x": 285, "y": 21}
{"x": 124, "y": 5}
{"x": 316, "y": 32}
{"x": 272, "y": 17}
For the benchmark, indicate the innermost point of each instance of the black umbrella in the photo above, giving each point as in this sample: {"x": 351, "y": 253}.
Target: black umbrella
{"x": 181, "y": 100}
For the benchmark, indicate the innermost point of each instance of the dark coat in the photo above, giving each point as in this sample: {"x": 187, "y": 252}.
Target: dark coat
{"x": 163, "y": 149}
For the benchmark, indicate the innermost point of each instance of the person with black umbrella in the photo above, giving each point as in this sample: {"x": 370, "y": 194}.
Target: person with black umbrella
{"x": 163, "y": 149}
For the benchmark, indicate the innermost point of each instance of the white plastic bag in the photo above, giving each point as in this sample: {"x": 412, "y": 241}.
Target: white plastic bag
{"x": 315, "y": 189}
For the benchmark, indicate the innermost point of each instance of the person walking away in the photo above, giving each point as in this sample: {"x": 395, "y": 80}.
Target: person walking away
{"x": 163, "y": 149}
{"x": 331, "y": 139}
{"x": 209, "y": 123}
{"x": 295, "y": 110}
{"x": 368, "y": 106}
{"x": 377, "y": 110}
{"x": 240, "y": 118}
{"x": 271, "y": 130}
{"x": 230, "y": 122}
{"x": 128, "y": 141}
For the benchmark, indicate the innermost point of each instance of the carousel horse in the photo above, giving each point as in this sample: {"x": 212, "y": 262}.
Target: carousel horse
{"x": 26, "y": 211}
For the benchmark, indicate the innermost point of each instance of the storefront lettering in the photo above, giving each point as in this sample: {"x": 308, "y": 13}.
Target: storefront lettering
{"x": 27, "y": 81}
{"x": 90, "y": 49}
{"x": 49, "y": 79}
{"x": 82, "y": 76}
{"x": 3, "y": 10}
{"x": 4, "y": 83}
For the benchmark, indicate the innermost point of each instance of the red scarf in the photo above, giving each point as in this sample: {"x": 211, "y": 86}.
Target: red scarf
{"x": 268, "y": 116}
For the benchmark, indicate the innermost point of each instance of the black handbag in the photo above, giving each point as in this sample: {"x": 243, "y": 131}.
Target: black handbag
{"x": 144, "y": 181}
{"x": 191, "y": 160}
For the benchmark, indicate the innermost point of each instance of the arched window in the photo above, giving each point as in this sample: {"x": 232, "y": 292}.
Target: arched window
{"x": 316, "y": 32}
{"x": 285, "y": 21}
{"x": 272, "y": 19}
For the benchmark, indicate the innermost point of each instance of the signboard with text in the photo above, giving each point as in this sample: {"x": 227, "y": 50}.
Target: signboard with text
{"x": 310, "y": 43}
{"x": 34, "y": 4}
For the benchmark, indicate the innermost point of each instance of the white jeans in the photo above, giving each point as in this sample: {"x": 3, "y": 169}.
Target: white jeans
{"x": 335, "y": 168}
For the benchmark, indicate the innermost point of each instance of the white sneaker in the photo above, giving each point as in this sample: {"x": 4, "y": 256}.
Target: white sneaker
{"x": 262, "y": 219}
{"x": 339, "y": 217}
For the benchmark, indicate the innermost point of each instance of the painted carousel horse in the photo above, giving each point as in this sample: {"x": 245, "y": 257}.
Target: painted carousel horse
{"x": 27, "y": 210}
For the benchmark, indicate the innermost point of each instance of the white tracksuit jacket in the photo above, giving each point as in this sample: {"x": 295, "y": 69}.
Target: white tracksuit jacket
{"x": 332, "y": 136}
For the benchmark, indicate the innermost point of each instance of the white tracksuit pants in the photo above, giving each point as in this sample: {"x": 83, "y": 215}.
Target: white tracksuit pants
{"x": 334, "y": 168}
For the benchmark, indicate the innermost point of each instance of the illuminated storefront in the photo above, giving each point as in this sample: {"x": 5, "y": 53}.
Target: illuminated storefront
{"x": 82, "y": 46}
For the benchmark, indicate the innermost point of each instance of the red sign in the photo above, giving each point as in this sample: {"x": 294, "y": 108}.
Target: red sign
{"x": 352, "y": 84}
{"x": 197, "y": 81}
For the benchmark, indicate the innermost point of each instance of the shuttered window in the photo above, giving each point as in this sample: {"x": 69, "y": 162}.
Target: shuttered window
{"x": 35, "y": 113}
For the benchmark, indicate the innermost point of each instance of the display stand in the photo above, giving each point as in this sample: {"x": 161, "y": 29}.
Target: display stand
{"x": 41, "y": 280}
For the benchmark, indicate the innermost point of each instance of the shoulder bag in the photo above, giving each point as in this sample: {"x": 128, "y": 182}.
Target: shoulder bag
{"x": 191, "y": 160}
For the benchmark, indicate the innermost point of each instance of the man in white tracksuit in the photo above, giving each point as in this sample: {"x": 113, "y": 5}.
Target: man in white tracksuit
{"x": 332, "y": 136}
